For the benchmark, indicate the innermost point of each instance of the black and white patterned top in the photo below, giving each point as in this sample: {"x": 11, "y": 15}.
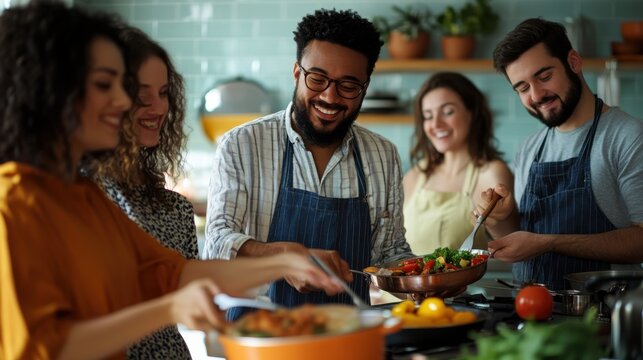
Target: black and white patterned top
{"x": 171, "y": 221}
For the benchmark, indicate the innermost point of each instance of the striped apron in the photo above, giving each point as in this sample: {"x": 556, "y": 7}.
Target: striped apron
{"x": 322, "y": 223}
{"x": 558, "y": 199}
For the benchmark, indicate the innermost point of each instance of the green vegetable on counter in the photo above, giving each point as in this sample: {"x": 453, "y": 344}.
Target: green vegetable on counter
{"x": 567, "y": 339}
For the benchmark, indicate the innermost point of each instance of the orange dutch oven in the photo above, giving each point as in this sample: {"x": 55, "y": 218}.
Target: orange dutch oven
{"x": 367, "y": 342}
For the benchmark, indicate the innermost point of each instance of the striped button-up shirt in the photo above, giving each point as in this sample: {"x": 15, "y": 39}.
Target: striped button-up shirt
{"x": 246, "y": 175}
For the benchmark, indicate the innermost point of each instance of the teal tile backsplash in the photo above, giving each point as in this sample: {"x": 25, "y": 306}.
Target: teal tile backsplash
{"x": 211, "y": 41}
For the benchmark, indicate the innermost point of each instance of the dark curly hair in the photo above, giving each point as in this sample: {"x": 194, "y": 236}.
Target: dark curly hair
{"x": 528, "y": 34}
{"x": 480, "y": 139}
{"x": 130, "y": 163}
{"x": 345, "y": 28}
{"x": 43, "y": 68}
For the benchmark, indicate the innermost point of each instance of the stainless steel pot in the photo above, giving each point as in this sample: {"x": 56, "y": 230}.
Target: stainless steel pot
{"x": 627, "y": 326}
{"x": 575, "y": 302}
{"x": 611, "y": 281}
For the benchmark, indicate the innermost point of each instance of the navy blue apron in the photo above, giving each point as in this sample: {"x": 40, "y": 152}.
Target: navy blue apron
{"x": 558, "y": 199}
{"x": 323, "y": 223}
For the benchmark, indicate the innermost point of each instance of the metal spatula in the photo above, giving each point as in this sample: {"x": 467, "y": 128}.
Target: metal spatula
{"x": 468, "y": 242}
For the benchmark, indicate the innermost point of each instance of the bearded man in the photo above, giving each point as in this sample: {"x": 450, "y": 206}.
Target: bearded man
{"x": 579, "y": 180}
{"x": 307, "y": 178}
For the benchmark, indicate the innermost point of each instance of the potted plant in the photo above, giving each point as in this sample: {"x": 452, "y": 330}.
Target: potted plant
{"x": 460, "y": 26}
{"x": 408, "y": 35}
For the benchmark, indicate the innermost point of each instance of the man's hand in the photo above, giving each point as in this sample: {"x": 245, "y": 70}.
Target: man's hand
{"x": 519, "y": 246}
{"x": 330, "y": 257}
{"x": 504, "y": 207}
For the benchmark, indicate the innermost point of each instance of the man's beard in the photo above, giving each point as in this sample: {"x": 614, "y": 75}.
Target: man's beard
{"x": 308, "y": 131}
{"x": 568, "y": 105}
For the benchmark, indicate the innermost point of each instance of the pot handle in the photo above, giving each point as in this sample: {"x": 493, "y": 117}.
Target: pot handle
{"x": 365, "y": 274}
{"x": 391, "y": 324}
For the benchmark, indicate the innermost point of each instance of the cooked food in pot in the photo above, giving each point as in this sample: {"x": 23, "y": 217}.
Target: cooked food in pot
{"x": 303, "y": 320}
{"x": 440, "y": 261}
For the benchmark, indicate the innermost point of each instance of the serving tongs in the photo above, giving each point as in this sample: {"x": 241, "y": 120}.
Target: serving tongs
{"x": 225, "y": 302}
{"x": 468, "y": 242}
{"x": 368, "y": 315}
{"x": 356, "y": 299}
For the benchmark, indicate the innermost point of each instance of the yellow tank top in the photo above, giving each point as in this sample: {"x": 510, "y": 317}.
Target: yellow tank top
{"x": 441, "y": 219}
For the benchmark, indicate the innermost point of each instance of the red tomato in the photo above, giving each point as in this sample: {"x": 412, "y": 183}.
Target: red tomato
{"x": 534, "y": 303}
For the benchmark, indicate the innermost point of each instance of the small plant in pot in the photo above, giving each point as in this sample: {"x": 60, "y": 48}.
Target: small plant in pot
{"x": 408, "y": 35}
{"x": 459, "y": 27}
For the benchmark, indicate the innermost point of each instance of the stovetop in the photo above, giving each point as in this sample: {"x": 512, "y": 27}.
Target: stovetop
{"x": 499, "y": 309}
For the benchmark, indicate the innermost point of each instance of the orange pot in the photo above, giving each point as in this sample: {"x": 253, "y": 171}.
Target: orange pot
{"x": 457, "y": 47}
{"x": 402, "y": 47}
{"x": 366, "y": 343}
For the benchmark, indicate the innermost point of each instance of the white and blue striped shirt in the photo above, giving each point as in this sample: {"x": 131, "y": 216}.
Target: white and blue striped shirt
{"x": 246, "y": 176}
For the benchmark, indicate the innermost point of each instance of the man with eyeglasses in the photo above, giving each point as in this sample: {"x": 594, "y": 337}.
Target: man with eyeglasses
{"x": 308, "y": 179}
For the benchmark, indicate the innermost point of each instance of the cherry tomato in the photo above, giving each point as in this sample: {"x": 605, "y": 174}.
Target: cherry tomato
{"x": 534, "y": 303}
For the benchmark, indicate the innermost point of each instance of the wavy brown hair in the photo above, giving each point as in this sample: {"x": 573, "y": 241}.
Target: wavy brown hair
{"x": 480, "y": 139}
{"x": 43, "y": 69}
{"x": 130, "y": 163}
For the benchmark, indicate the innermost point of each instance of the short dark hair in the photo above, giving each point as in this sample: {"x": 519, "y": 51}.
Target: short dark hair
{"x": 480, "y": 140}
{"x": 528, "y": 34}
{"x": 345, "y": 28}
{"x": 43, "y": 69}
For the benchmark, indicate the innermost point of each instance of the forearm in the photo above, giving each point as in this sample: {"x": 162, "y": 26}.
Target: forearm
{"x": 497, "y": 229}
{"x": 621, "y": 246}
{"x": 98, "y": 338}
{"x": 237, "y": 276}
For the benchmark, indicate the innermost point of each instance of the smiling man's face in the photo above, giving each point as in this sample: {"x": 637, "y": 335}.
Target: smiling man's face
{"x": 549, "y": 90}
{"x": 323, "y": 118}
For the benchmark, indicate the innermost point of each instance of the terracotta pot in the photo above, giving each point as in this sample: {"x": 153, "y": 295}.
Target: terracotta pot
{"x": 632, "y": 31}
{"x": 402, "y": 47}
{"x": 366, "y": 343}
{"x": 457, "y": 47}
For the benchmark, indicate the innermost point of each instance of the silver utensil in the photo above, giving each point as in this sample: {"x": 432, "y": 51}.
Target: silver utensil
{"x": 468, "y": 242}
{"x": 356, "y": 299}
{"x": 225, "y": 302}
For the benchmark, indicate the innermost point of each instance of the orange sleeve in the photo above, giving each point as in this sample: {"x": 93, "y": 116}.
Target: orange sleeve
{"x": 34, "y": 313}
{"x": 160, "y": 268}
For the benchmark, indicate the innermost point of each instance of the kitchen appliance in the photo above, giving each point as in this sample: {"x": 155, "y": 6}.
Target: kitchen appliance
{"x": 232, "y": 102}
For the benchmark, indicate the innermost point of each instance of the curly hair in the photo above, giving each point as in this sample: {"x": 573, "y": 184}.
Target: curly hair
{"x": 528, "y": 34}
{"x": 131, "y": 163}
{"x": 43, "y": 68}
{"x": 345, "y": 28}
{"x": 480, "y": 139}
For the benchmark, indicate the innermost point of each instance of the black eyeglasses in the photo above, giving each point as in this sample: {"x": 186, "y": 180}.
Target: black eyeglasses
{"x": 319, "y": 82}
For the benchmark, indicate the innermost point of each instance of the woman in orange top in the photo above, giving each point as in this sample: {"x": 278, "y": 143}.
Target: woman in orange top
{"x": 78, "y": 279}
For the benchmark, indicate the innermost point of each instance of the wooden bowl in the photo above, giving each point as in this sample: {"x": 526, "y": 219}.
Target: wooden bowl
{"x": 632, "y": 31}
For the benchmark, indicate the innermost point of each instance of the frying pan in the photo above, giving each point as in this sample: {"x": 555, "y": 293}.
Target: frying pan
{"x": 448, "y": 335}
{"x": 418, "y": 287}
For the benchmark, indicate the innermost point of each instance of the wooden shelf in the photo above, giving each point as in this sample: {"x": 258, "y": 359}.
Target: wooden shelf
{"x": 478, "y": 65}
{"x": 385, "y": 118}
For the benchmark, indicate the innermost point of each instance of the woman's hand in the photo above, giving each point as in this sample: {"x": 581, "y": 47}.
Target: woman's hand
{"x": 193, "y": 306}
